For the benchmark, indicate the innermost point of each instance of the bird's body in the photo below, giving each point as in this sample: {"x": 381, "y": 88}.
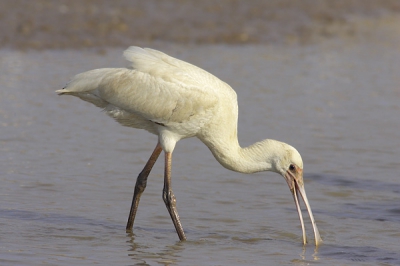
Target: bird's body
{"x": 174, "y": 100}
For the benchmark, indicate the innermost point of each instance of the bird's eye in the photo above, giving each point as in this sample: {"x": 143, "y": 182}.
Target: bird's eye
{"x": 292, "y": 167}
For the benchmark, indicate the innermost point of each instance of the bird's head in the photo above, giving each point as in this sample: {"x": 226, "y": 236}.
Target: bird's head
{"x": 290, "y": 165}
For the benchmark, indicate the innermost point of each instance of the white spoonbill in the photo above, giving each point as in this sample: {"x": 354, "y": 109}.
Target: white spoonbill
{"x": 175, "y": 100}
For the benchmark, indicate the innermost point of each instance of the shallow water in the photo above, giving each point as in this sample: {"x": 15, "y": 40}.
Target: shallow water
{"x": 68, "y": 171}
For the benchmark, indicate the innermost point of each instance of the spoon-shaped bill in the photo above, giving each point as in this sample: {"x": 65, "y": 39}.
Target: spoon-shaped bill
{"x": 302, "y": 192}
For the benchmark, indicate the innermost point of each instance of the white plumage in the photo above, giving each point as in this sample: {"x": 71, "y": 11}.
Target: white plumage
{"x": 174, "y": 100}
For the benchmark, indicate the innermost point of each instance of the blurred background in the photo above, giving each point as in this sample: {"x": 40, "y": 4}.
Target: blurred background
{"x": 321, "y": 75}
{"x": 43, "y": 24}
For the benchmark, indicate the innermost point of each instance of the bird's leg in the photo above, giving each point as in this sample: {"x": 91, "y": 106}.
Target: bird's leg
{"x": 141, "y": 185}
{"x": 169, "y": 197}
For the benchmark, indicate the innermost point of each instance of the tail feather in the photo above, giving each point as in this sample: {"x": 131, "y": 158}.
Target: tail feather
{"x": 88, "y": 97}
{"x": 85, "y": 85}
{"x": 87, "y": 81}
{"x": 62, "y": 91}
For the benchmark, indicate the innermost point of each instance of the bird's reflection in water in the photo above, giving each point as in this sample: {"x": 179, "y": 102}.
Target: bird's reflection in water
{"x": 141, "y": 253}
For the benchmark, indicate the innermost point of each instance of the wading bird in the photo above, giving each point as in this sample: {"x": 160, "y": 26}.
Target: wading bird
{"x": 175, "y": 100}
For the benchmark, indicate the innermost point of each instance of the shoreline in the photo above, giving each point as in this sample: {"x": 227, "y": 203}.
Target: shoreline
{"x": 65, "y": 24}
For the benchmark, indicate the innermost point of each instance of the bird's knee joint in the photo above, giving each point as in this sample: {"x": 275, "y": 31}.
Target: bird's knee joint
{"x": 169, "y": 198}
{"x": 140, "y": 185}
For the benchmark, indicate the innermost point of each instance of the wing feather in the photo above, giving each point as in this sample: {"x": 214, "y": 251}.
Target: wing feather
{"x": 159, "y": 88}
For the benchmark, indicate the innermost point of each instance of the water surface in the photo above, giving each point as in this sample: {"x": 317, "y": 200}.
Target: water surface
{"x": 67, "y": 171}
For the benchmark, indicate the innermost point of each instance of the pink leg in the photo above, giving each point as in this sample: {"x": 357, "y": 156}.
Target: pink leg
{"x": 141, "y": 185}
{"x": 169, "y": 197}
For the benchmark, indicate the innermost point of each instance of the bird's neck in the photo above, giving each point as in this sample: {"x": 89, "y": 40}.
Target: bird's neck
{"x": 260, "y": 156}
